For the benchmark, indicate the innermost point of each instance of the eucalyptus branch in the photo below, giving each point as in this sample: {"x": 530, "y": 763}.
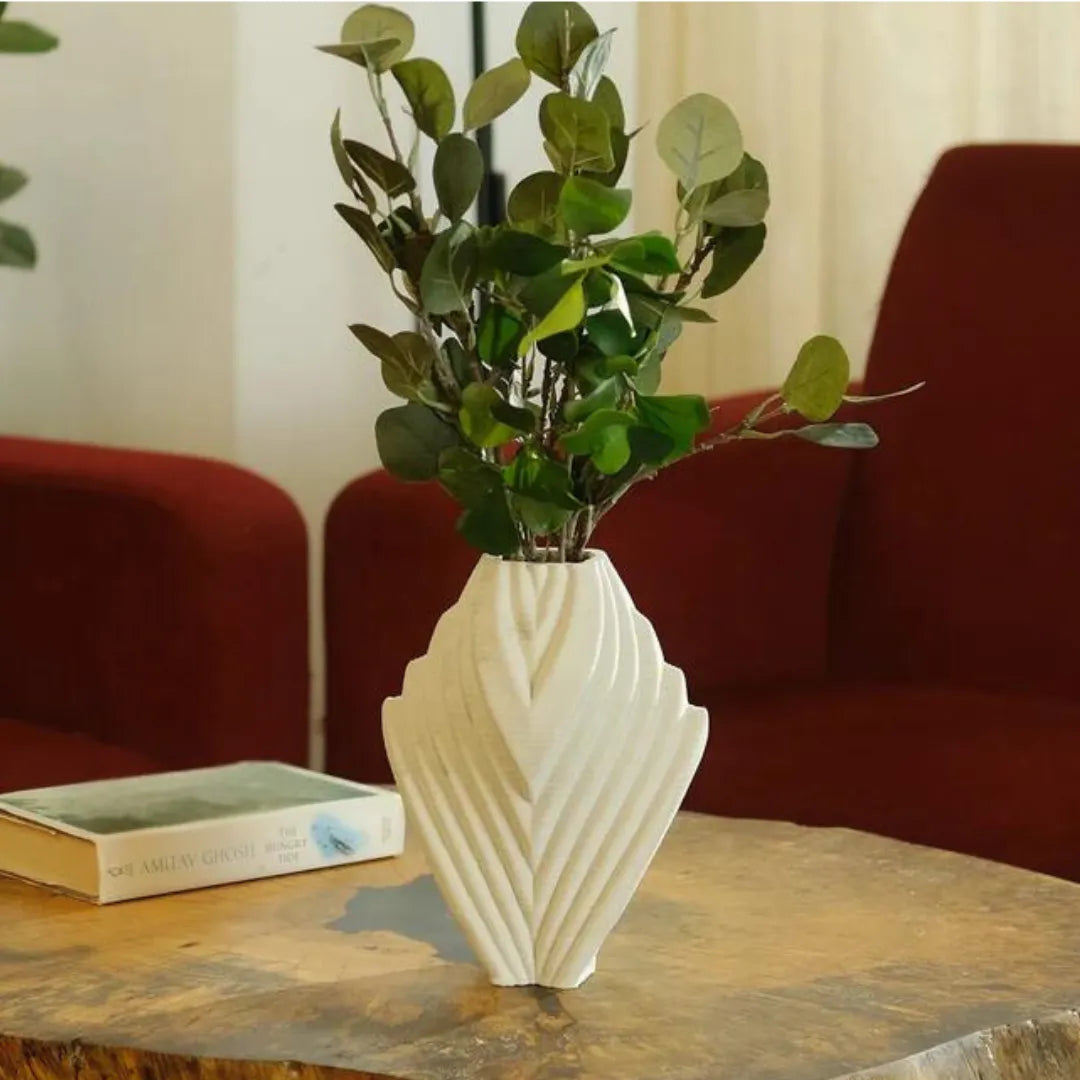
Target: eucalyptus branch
{"x": 375, "y": 85}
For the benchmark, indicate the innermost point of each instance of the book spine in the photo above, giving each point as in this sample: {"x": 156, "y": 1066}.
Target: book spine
{"x": 152, "y": 862}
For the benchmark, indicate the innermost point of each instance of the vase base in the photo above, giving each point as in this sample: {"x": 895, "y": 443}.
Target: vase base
{"x": 539, "y": 983}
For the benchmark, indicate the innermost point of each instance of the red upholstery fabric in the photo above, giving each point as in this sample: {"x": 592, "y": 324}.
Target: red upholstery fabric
{"x": 959, "y": 548}
{"x": 886, "y": 640}
{"x": 41, "y": 757}
{"x": 151, "y": 602}
{"x": 991, "y": 774}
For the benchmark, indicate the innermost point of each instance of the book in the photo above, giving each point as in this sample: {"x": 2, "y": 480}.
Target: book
{"x": 111, "y": 840}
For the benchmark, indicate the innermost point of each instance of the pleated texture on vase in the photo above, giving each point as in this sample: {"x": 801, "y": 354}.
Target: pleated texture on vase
{"x": 543, "y": 747}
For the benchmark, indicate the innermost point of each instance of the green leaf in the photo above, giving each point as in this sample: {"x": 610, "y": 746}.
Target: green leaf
{"x": 647, "y": 379}
{"x": 679, "y": 416}
{"x": 429, "y": 94}
{"x": 844, "y": 436}
{"x": 458, "y": 360}
{"x": 540, "y": 518}
{"x": 458, "y": 173}
{"x": 364, "y": 226}
{"x": 734, "y": 255}
{"x": 551, "y": 37}
{"x": 524, "y": 253}
{"x": 651, "y": 447}
{"x": 650, "y": 253}
{"x": 604, "y": 396}
{"x": 468, "y": 477}
{"x": 691, "y": 314}
{"x": 589, "y": 207}
{"x": 609, "y": 332}
{"x": 589, "y": 67}
{"x": 737, "y": 209}
{"x": 407, "y": 361}
{"x": 494, "y": 92}
{"x": 384, "y": 36}
{"x": 374, "y": 55}
{"x": 699, "y": 140}
{"x": 607, "y": 98}
{"x": 16, "y": 246}
{"x": 24, "y": 37}
{"x": 497, "y": 336}
{"x": 490, "y": 527}
{"x": 410, "y": 439}
{"x": 567, "y": 314}
{"x": 816, "y": 384}
{"x": 620, "y": 149}
{"x": 447, "y": 279}
{"x": 11, "y": 181}
{"x": 354, "y": 181}
{"x": 539, "y": 477}
{"x": 477, "y": 418}
{"x": 543, "y": 292}
{"x": 535, "y": 201}
{"x": 739, "y": 200}
{"x": 603, "y": 439}
{"x": 578, "y": 133}
{"x": 388, "y": 174}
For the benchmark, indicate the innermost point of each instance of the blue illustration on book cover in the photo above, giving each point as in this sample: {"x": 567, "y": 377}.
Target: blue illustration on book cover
{"x": 334, "y": 838}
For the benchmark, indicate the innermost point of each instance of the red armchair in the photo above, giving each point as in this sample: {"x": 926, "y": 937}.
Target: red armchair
{"x": 886, "y": 641}
{"x": 153, "y": 614}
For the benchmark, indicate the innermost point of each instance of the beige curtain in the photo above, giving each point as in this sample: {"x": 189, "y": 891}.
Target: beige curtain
{"x": 848, "y": 105}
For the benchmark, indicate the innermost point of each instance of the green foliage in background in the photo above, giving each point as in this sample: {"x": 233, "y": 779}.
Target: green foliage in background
{"x": 530, "y": 387}
{"x": 16, "y": 244}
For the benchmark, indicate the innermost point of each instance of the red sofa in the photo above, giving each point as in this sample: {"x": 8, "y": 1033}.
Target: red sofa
{"x": 885, "y": 640}
{"x": 153, "y": 615}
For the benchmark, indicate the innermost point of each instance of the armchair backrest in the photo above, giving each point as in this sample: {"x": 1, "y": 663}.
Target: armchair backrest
{"x": 957, "y": 558}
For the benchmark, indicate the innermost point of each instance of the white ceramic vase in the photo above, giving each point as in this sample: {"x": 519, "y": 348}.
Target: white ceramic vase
{"x": 543, "y": 748}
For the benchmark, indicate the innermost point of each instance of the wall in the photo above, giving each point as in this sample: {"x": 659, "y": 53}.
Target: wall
{"x": 124, "y": 332}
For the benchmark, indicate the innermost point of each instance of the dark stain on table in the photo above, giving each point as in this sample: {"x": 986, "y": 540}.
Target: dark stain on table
{"x": 416, "y": 910}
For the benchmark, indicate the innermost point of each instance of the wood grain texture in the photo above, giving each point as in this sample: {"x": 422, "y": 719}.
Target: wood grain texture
{"x": 753, "y": 951}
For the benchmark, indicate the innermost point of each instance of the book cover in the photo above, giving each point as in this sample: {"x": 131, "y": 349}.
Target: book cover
{"x": 140, "y": 836}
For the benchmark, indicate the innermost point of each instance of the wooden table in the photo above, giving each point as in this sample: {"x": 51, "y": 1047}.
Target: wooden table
{"x": 754, "y": 951}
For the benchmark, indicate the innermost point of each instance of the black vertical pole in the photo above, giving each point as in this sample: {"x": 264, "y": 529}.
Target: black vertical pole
{"x": 491, "y": 204}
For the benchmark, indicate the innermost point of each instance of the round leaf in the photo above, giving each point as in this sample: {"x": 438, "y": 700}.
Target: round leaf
{"x": 410, "y": 439}
{"x": 494, "y": 92}
{"x": 490, "y": 527}
{"x": 699, "y": 140}
{"x": 588, "y": 207}
{"x": 458, "y": 173}
{"x": 535, "y": 201}
{"x": 603, "y": 439}
{"x": 577, "y": 133}
{"x": 551, "y": 37}
{"x": 24, "y": 37}
{"x": 517, "y": 252}
{"x": 11, "y": 181}
{"x": 590, "y": 65}
{"x": 429, "y": 94}
{"x": 843, "y": 436}
{"x": 737, "y": 250}
{"x": 679, "y": 416}
{"x": 467, "y": 477}
{"x": 477, "y": 421}
{"x": 567, "y": 314}
{"x": 606, "y": 96}
{"x": 647, "y": 254}
{"x": 373, "y": 27}
{"x": 816, "y": 384}
{"x": 737, "y": 209}
{"x": 449, "y": 272}
{"x": 16, "y": 247}
{"x": 390, "y": 175}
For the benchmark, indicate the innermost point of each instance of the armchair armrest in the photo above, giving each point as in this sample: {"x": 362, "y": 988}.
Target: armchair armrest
{"x": 154, "y": 601}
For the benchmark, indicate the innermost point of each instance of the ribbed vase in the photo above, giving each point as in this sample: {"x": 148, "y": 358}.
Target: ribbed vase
{"x": 542, "y": 747}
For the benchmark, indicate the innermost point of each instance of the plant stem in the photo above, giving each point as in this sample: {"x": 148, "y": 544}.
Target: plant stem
{"x": 375, "y": 84}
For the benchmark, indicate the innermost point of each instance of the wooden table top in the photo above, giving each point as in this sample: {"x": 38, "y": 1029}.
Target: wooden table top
{"x": 754, "y": 951}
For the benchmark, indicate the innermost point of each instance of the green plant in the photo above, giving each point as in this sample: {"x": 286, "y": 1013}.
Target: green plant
{"x": 16, "y": 244}
{"x": 531, "y": 381}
